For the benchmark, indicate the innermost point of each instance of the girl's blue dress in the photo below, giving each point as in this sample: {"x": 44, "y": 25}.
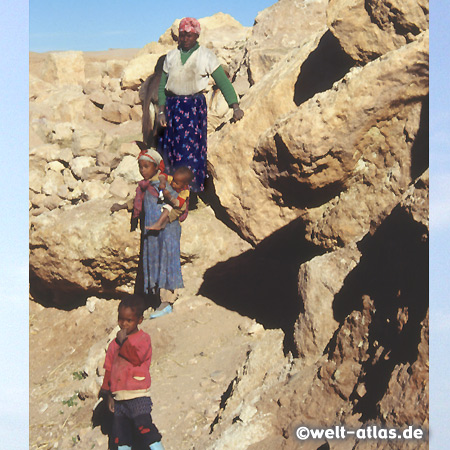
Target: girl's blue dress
{"x": 161, "y": 250}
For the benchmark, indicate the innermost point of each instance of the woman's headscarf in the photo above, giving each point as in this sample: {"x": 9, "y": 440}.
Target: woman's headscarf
{"x": 190, "y": 25}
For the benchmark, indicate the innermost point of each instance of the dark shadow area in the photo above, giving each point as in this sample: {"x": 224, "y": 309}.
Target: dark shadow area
{"x": 393, "y": 272}
{"x": 67, "y": 297}
{"x": 325, "y": 446}
{"x": 62, "y": 295}
{"x": 421, "y": 147}
{"x": 327, "y": 64}
{"x": 262, "y": 283}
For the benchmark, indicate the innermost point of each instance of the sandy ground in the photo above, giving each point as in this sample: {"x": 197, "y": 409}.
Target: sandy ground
{"x": 197, "y": 351}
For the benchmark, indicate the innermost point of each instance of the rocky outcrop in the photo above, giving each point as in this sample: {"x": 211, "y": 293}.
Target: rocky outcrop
{"x": 326, "y": 179}
{"x": 322, "y": 151}
{"x": 273, "y": 37}
{"x": 370, "y": 29}
{"x": 90, "y": 251}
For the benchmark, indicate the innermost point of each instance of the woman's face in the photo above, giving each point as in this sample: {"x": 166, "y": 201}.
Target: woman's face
{"x": 187, "y": 40}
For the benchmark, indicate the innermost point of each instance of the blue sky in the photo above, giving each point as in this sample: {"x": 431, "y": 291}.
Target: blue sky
{"x": 99, "y": 25}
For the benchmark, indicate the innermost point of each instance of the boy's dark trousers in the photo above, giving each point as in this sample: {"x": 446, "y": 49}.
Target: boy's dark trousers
{"x": 132, "y": 418}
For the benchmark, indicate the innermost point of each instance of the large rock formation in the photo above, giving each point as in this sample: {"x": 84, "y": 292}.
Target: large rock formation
{"x": 325, "y": 178}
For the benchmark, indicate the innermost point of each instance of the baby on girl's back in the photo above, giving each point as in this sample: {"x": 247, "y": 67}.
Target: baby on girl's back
{"x": 175, "y": 190}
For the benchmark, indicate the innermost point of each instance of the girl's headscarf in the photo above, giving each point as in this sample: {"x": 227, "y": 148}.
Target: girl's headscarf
{"x": 153, "y": 156}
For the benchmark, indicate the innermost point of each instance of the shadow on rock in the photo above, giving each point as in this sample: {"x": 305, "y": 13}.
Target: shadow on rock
{"x": 263, "y": 283}
{"x": 393, "y": 272}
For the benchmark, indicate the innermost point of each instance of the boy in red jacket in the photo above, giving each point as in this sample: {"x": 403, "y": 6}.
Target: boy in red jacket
{"x": 126, "y": 384}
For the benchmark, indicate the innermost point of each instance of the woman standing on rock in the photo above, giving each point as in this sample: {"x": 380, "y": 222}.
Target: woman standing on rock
{"x": 182, "y": 105}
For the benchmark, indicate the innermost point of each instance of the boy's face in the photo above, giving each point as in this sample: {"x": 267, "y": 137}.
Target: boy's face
{"x": 179, "y": 182}
{"x": 128, "y": 320}
{"x": 147, "y": 169}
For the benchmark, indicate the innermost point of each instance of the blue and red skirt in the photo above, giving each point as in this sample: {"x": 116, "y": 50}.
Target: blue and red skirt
{"x": 184, "y": 140}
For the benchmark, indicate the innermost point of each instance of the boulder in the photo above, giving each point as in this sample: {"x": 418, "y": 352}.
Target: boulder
{"x": 64, "y": 68}
{"x": 99, "y": 98}
{"x": 116, "y": 112}
{"x": 319, "y": 280}
{"x": 273, "y": 36}
{"x": 128, "y": 169}
{"x": 79, "y": 163}
{"x": 337, "y": 163}
{"x": 65, "y": 104}
{"x": 138, "y": 69}
{"x": 51, "y": 182}
{"x": 61, "y": 134}
{"x": 82, "y": 248}
{"x": 130, "y": 97}
{"x": 231, "y": 150}
{"x": 87, "y": 142}
{"x": 120, "y": 188}
{"x": 95, "y": 189}
{"x": 136, "y": 113}
{"x": 368, "y": 29}
{"x": 114, "y": 68}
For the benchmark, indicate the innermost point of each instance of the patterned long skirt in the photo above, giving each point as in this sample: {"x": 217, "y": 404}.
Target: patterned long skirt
{"x": 161, "y": 250}
{"x": 184, "y": 140}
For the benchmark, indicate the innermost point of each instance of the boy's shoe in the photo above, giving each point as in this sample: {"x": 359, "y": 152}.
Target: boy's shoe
{"x": 156, "y": 446}
{"x": 162, "y": 312}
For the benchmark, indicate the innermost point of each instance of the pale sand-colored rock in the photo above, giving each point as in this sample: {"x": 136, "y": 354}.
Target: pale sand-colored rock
{"x": 99, "y": 97}
{"x": 65, "y": 104}
{"x": 116, "y": 112}
{"x": 319, "y": 280}
{"x": 128, "y": 169}
{"x": 367, "y": 30}
{"x": 352, "y": 137}
{"x": 87, "y": 142}
{"x": 231, "y": 150}
{"x": 138, "y": 70}
{"x": 273, "y": 36}
{"x": 79, "y": 163}
{"x": 219, "y": 379}
{"x": 63, "y": 68}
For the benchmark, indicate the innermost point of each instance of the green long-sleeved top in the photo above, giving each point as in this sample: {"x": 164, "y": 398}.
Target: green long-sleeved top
{"x": 219, "y": 76}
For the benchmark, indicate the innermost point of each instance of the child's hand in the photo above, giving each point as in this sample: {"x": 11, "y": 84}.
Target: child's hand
{"x": 110, "y": 402}
{"x": 116, "y": 207}
{"x": 121, "y": 336}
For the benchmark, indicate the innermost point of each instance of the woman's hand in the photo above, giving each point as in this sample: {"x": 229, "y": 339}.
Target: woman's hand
{"x": 162, "y": 118}
{"x": 238, "y": 114}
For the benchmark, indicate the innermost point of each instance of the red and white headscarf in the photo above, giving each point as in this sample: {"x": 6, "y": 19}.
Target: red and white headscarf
{"x": 190, "y": 25}
{"x": 153, "y": 156}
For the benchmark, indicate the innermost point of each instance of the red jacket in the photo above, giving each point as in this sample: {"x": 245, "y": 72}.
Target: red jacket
{"x": 127, "y": 367}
